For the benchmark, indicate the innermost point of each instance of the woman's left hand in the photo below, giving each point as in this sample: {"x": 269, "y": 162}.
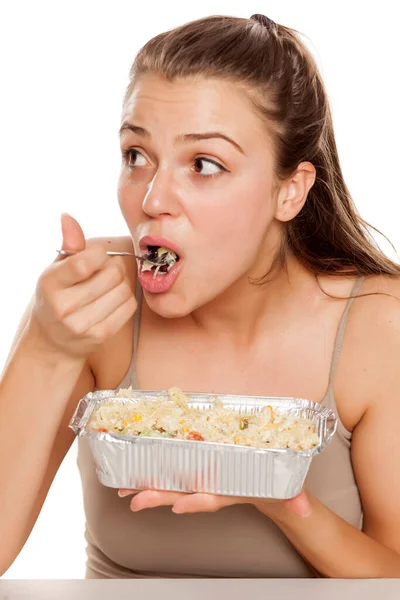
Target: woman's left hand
{"x": 198, "y": 502}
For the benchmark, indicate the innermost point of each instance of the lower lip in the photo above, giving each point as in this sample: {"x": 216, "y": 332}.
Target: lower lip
{"x": 160, "y": 283}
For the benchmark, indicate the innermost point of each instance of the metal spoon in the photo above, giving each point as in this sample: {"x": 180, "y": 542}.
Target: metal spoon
{"x": 142, "y": 258}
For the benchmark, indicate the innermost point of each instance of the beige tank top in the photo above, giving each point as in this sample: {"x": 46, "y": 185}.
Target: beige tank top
{"x": 237, "y": 541}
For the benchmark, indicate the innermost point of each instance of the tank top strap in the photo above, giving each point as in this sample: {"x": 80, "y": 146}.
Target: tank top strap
{"x": 130, "y": 378}
{"x": 137, "y": 318}
{"x": 136, "y": 330}
{"x": 340, "y": 333}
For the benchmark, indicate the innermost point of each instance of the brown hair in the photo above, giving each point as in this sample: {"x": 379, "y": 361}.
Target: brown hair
{"x": 328, "y": 235}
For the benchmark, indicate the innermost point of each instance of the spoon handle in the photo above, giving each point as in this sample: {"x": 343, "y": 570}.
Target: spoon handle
{"x": 70, "y": 253}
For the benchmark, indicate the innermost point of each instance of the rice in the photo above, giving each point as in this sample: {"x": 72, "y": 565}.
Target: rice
{"x": 173, "y": 417}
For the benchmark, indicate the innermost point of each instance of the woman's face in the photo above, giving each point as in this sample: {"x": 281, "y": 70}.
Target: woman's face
{"x": 197, "y": 178}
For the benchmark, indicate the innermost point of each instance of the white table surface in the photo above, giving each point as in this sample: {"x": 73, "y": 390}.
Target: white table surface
{"x": 200, "y": 589}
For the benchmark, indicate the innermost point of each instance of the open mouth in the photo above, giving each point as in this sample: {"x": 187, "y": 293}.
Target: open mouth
{"x": 159, "y": 260}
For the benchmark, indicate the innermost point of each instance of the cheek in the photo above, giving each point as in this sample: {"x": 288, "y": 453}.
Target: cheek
{"x": 236, "y": 219}
{"x": 129, "y": 199}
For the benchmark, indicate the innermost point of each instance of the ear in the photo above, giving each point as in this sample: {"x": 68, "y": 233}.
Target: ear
{"x": 293, "y": 192}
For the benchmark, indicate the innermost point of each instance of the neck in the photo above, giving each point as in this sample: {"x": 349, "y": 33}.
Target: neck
{"x": 247, "y": 308}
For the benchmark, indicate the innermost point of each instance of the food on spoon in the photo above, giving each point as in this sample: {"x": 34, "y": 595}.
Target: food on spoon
{"x": 164, "y": 258}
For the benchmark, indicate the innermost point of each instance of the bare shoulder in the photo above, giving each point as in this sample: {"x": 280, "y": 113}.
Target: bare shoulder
{"x": 368, "y": 368}
{"x": 374, "y": 332}
{"x": 376, "y": 312}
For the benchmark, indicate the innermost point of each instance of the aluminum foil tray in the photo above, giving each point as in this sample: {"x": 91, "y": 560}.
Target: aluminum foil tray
{"x": 137, "y": 462}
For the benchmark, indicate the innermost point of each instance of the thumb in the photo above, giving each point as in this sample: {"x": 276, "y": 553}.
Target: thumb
{"x": 73, "y": 236}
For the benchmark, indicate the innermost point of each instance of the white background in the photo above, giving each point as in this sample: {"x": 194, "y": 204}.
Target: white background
{"x": 63, "y": 71}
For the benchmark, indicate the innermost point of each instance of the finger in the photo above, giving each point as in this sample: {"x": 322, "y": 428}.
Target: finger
{"x": 85, "y": 292}
{"x": 193, "y": 503}
{"x": 110, "y": 326}
{"x": 73, "y": 236}
{"x": 81, "y": 266}
{"x": 81, "y": 321}
{"x": 153, "y": 499}
{"x": 123, "y": 492}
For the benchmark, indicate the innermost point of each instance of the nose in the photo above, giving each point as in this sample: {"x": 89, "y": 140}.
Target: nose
{"x": 161, "y": 197}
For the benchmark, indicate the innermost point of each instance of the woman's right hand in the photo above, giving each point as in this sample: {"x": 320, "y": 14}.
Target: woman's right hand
{"x": 81, "y": 300}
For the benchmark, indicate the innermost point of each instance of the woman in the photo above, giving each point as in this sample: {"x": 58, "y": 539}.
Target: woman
{"x": 229, "y": 160}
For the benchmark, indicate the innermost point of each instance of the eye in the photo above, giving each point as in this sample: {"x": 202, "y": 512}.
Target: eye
{"x": 212, "y": 167}
{"x": 133, "y": 158}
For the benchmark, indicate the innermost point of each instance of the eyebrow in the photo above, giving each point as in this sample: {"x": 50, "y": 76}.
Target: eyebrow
{"x": 186, "y": 137}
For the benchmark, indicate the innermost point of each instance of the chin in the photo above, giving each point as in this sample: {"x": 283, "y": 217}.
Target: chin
{"x": 168, "y": 306}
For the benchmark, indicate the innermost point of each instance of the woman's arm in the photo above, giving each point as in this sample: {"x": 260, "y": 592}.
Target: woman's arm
{"x": 80, "y": 303}
{"x": 336, "y": 549}
{"x": 332, "y": 546}
{"x": 38, "y": 393}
